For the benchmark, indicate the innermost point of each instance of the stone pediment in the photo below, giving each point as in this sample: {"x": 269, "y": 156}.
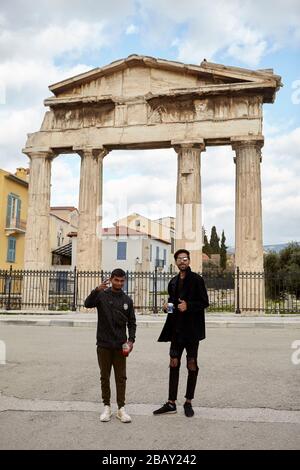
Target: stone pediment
{"x": 145, "y": 77}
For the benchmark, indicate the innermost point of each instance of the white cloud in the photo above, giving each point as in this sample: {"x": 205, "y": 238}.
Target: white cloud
{"x": 38, "y": 46}
{"x": 237, "y": 29}
{"x": 65, "y": 180}
{"x": 132, "y": 29}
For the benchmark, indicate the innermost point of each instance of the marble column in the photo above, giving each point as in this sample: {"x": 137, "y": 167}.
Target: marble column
{"x": 248, "y": 223}
{"x": 89, "y": 246}
{"x": 37, "y": 238}
{"x": 188, "y": 200}
{"x": 37, "y": 255}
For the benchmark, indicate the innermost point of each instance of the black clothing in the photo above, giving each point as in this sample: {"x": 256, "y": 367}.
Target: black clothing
{"x": 188, "y": 326}
{"x": 176, "y": 351}
{"x": 115, "y": 312}
{"x": 188, "y": 410}
{"x": 166, "y": 408}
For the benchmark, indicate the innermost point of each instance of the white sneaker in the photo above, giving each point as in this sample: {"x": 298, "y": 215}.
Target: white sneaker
{"x": 106, "y": 415}
{"x": 123, "y": 416}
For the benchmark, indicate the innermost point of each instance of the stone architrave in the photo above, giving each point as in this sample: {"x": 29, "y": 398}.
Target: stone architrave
{"x": 248, "y": 223}
{"x": 188, "y": 201}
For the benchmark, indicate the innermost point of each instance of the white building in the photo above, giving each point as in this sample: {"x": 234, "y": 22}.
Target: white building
{"x": 161, "y": 229}
{"x": 128, "y": 249}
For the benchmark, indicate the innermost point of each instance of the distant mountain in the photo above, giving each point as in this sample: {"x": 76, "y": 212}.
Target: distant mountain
{"x": 278, "y": 247}
{"x": 275, "y": 248}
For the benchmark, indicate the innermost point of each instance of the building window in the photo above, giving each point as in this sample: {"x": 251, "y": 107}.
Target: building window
{"x": 157, "y": 252}
{"x": 165, "y": 257}
{"x": 121, "y": 250}
{"x": 60, "y": 237}
{"x": 150, "y": 252}
{"x": 137, "y": 223}
{"x": 11, "y": 250}
{"x": 13, "y": 210}
{"x": 172, "y": 245}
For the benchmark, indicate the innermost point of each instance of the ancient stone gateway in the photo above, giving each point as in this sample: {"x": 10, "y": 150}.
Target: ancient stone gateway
{"x": 146, "y": 103}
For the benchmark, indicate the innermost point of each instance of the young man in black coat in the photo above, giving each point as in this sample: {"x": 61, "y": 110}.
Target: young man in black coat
{"x": 184, "y": 328}
{"x": 115, "y": 313}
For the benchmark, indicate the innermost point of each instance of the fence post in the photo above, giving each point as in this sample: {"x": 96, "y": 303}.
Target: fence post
{"x": 74, "y": 290}
{"x": 238, "y": 310}
{"x": 127, "y": 281}
{"x": 9, "y": 288}
{"x": 155, "y": 291}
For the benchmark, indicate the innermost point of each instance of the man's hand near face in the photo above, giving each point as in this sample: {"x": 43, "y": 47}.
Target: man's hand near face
{"x": 103, "y": 285}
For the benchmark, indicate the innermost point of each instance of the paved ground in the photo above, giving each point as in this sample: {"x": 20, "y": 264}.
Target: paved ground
{"x": 90, "y": 319}
{"x": 247, "y": 396}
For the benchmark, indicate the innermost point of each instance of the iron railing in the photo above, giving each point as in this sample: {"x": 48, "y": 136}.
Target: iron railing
{"x": 237, "y": 292}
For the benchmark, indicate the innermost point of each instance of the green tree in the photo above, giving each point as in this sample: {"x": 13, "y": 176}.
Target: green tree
{"x": 282, "y": 271}
{"x": 271, "y": 262}
{"x": 223, "y": 252}
{"x": 206, "y": 246}
{"x": 214, "y": 241}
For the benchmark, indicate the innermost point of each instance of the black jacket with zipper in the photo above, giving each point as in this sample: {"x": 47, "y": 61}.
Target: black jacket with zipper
{"x": 192, "y": 321}
{"x": 115, "y": 313}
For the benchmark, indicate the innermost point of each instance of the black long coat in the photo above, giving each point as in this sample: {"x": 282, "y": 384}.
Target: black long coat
{"x": 193, "y": 321}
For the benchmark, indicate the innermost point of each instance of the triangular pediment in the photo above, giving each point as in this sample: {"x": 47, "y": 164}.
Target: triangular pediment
{"x": 147, "y": 76}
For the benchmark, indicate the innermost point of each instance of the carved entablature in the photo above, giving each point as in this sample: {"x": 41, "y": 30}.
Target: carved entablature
{"x": 76, "y": 117}
{"x": 215, "y": 108}
{"x": 145, "y": 102}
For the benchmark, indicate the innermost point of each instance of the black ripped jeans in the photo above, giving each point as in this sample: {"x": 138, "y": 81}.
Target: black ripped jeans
{"x": 176, "y": 351}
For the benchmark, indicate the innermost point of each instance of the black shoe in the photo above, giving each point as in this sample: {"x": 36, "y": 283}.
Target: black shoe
{"x": 188, "y": 410}
{"x": 166, "y": 408}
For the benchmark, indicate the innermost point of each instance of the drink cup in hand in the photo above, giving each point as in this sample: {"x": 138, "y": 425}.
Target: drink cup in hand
{"x": 125, "y": 349}
{"x": 170, "y": 307}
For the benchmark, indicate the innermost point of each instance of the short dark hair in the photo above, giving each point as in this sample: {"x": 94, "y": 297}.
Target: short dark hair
{"x": 182, "y": 250}
{"x": 118, "y": 273}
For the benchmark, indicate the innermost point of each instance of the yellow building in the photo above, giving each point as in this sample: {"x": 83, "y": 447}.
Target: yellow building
{"x": 13, "y": 216}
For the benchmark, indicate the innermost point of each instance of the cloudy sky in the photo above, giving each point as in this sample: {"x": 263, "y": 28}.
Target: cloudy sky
{"x": 42, "y": 42}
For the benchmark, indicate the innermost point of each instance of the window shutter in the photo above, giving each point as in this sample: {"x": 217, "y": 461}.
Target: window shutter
{"x": 18, "y": 211}
{"x": 9, "y": 209}
{"x": 11, "y": 252}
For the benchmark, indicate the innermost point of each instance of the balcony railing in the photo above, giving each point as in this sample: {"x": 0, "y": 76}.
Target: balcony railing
{"x": 13, "y": 223}
{"x": 159, "y": 263}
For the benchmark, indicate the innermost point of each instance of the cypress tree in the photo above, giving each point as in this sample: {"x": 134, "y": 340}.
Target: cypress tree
{"x": 214, "y": 241}
{"x": 223, "y": 252}
{"x": 206, "y": 246}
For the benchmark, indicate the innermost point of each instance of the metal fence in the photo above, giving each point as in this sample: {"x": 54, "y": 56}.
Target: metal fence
{"x": 228, "y": 291}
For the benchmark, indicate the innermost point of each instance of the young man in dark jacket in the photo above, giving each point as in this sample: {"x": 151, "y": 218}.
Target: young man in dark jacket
{"x": 184, "y": 328}
{"x": 115, "y": 312}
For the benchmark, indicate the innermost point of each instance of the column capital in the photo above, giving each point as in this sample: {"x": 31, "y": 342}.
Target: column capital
{"x": 247, "y": 142}
{"x": 39, "y": 152}
{"x": 179, "y": 145}
{"x": 86, "y": 151}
